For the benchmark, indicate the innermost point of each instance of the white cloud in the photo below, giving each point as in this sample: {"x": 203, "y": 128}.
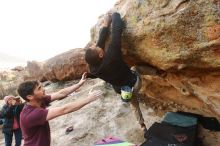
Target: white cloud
{"x": 40, "y": 29}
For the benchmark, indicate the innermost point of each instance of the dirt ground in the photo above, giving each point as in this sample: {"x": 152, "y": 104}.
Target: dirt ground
{"x": 109, "y": 116}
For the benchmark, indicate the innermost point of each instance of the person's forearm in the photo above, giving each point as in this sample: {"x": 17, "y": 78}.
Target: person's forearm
{"x": 66, "y": 91}
{"x": 74, "y": 106}
{"x": 71, "y": 107}
{"x": 115, "y": 42}
{"x": 20, "y": 107}
{"x": 102, "y": 37}
{"x": 117, "y": 23}
{"x": 7, "y": 111}
{"x": 117, "y": 27}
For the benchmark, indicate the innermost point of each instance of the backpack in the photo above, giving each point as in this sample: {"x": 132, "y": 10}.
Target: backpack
{"x": 174, "y": 130}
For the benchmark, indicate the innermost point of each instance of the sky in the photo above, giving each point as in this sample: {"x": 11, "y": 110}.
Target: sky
{"x": 40, "y": 29}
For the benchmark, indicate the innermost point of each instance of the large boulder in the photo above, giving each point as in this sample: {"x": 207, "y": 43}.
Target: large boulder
{"x": 66, "y": 66}
{"x": 9, "y": 81}
{"x": 173, "y": 34}
{"x": 181, "y": 37}
{"x": 35, "y": 71}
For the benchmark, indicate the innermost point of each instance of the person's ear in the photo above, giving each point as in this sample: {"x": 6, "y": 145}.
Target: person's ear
{"x": 30, "y": 97}
{"x": 101, "y": 55}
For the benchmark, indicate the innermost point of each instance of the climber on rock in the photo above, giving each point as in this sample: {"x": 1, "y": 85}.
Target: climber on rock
{"x": 107, "y": 63}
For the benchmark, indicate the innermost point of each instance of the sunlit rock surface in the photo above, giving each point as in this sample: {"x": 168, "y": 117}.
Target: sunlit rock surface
{"x": 181, "y": 37}
{"x": 66, "y": 66}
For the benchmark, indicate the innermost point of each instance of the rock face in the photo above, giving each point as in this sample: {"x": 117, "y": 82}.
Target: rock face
{"x": 66, "y": 66}
{"x": 181, "y": 37}
{"x": 9, "y": 80}
{"x": 173, "y": 34}
{"x": 35, "y": 71}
